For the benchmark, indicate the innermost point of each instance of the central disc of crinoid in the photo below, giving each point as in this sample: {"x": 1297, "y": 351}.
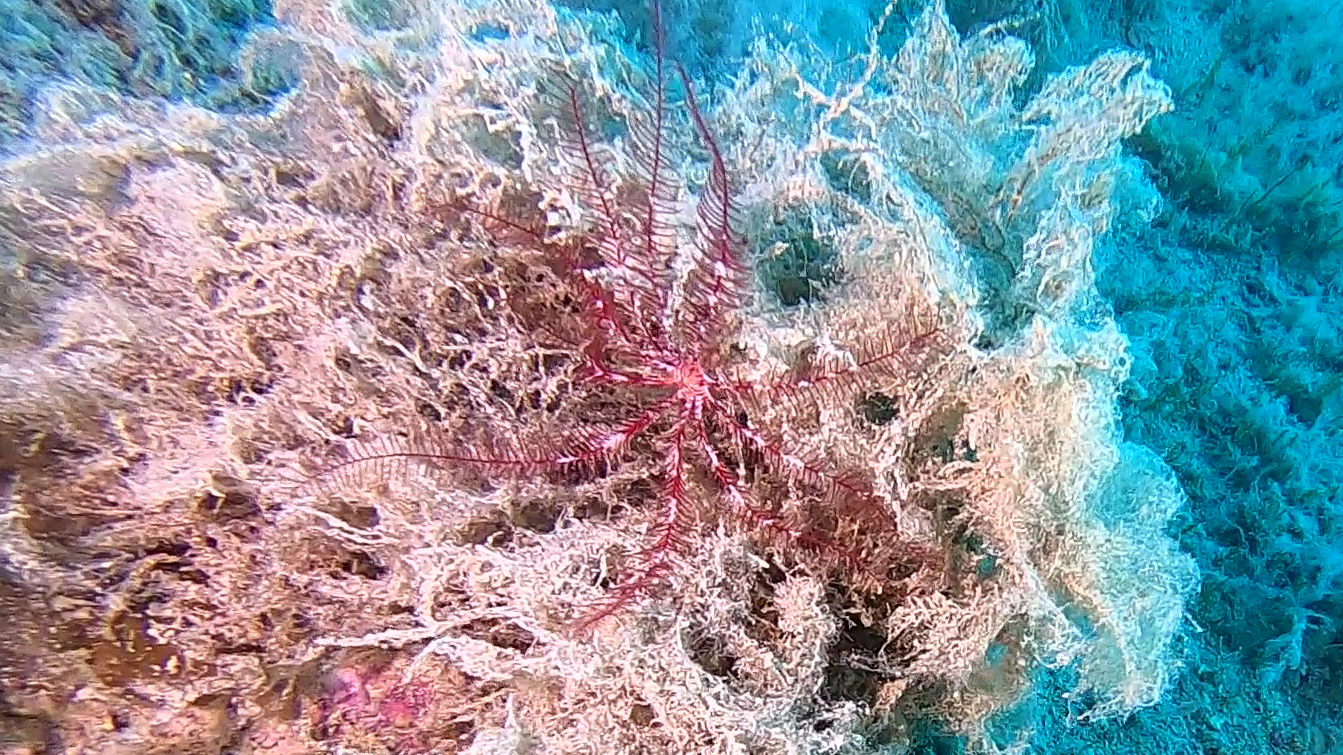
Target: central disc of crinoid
{"x": 692, "y": 385}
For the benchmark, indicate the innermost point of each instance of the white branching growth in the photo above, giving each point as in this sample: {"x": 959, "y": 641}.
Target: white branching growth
{"x": 508, "y": 280}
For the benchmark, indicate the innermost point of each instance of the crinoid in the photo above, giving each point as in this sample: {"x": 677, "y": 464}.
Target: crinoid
{"x": 652, "y": 329}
